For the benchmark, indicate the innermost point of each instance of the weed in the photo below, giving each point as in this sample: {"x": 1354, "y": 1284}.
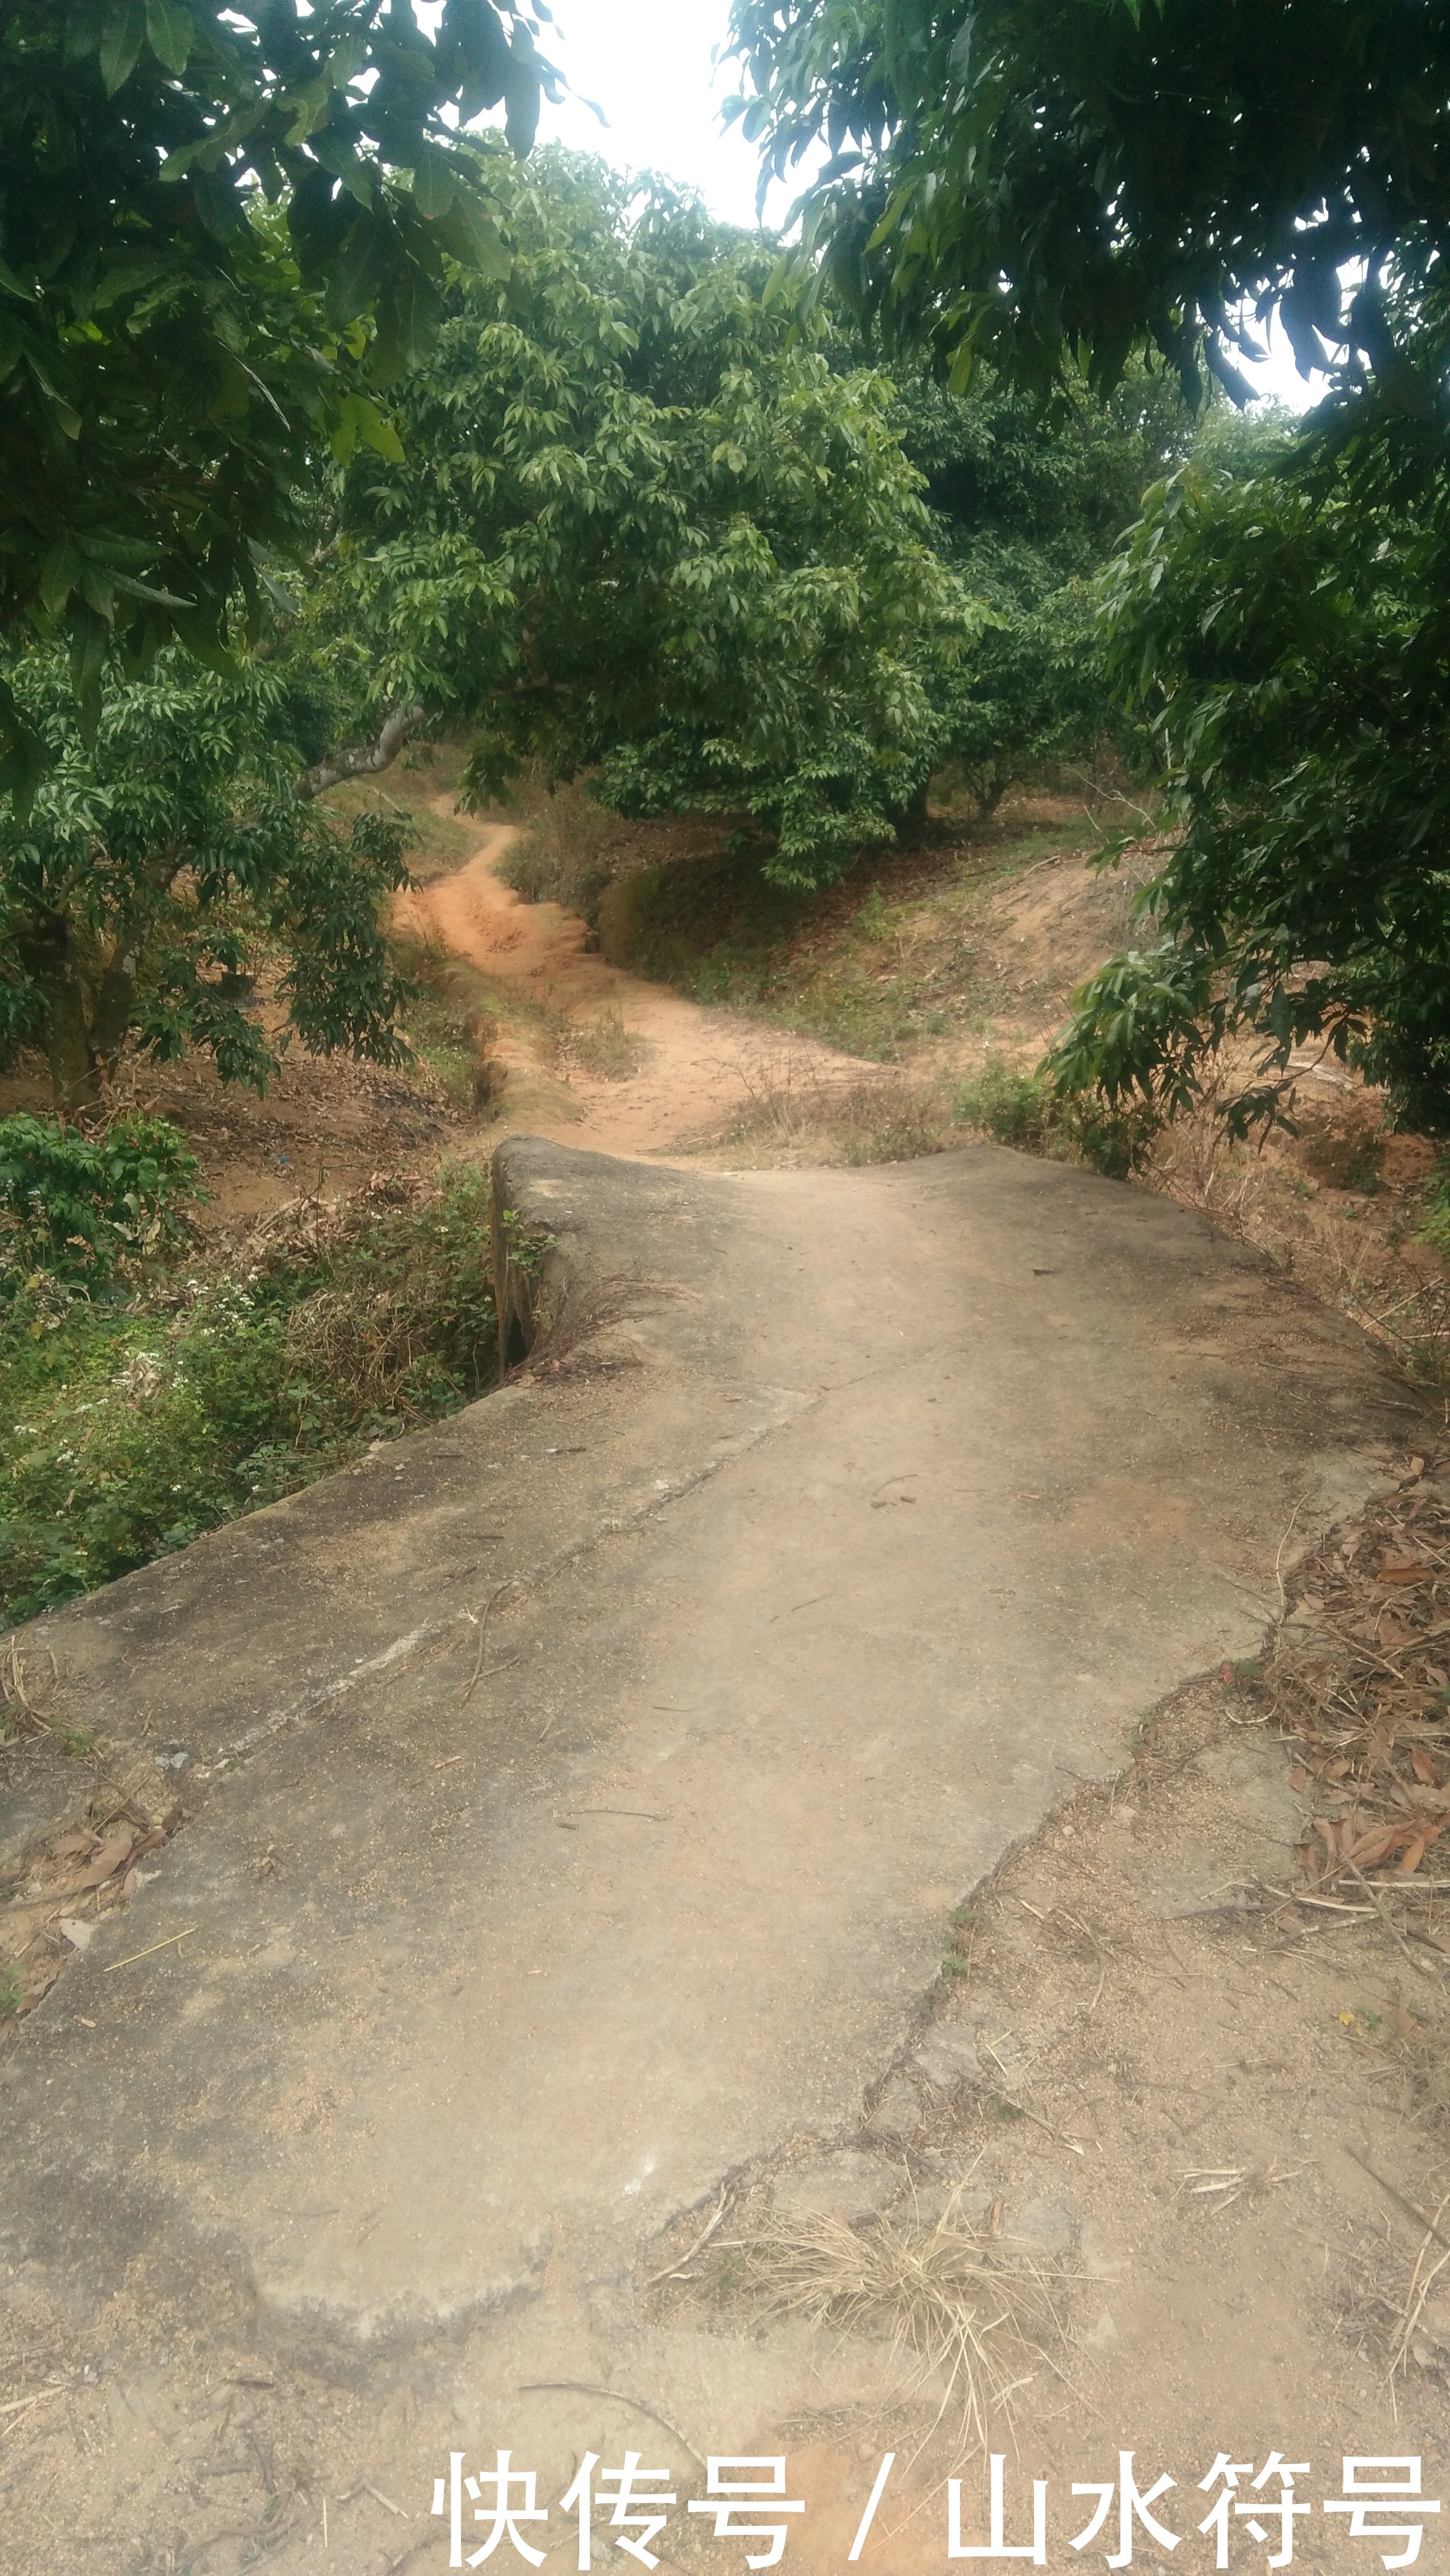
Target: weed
{"x": 12, "y": 1995}
{"x": 1010, "y": 1106}
{"x": 1345, "y": 1161}
{"x": 77, "y": 1204}
{"x": 1435, "y": 1230}
{"x": 564, "y": 850}
{"x": 331, "y": 1327}
{"x": 885, "y": 1120}
{"x": 1022, "y": 1110}
{"x": 77, "y": 1744}
{"x": 446, "y": 1024}
{"x": 872, "y": 920}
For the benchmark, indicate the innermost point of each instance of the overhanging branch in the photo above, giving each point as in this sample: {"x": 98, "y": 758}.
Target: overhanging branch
{"x": 363, "y": 759}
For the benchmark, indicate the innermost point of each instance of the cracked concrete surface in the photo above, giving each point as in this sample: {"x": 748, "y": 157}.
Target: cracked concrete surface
{"x": 855, "y": 1518}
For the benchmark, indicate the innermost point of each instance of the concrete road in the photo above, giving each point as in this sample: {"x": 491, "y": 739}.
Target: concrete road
{"x": 583, "y": 1789}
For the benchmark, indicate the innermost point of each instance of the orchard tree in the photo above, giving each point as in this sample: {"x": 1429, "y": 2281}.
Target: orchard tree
{"x": 157, "y": 859}
{"x": 1286, "y": 635}
{"x": 1048, "y": 183}
{"x": 1017, "y": 180}
{"x": 644, "y": 526}
{"x": 173, "y": 364}
{"x": 1027, "y": 503}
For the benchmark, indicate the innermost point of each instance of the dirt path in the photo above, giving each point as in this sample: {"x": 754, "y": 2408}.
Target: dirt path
{"x": 693, "y": 1070}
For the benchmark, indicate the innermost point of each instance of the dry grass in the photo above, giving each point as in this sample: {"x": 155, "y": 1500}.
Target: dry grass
{"x": 797, "y": 1116}
{"x": 1425, "y": 2321}
{"x": 607, "y": 1049}
{"x": 568, "y": 847}
{"x": 966, "y": 2313}
{"x": 1359, "y": 1677}
{"x": 1339, "y": 1205}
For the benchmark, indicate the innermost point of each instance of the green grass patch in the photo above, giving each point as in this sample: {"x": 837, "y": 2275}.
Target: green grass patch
{"x": 1023, "y": 1110}
{"x": 153, "y": 1408}
{"x": 875, "y": 976}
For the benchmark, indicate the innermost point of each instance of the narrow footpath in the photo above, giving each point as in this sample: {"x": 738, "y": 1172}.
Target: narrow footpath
{"x": 580, "y": 1797}
{"x": 693, "y": 1068}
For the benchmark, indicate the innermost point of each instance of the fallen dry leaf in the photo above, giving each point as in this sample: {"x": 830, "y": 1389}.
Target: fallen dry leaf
{"x": 107, "y": 1860}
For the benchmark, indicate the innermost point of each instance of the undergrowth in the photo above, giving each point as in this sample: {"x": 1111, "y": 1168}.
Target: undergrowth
{"x": 139, "y": 1411}
{"x": 1022, "y": 1109}
{"x": 449, "y": 1026}
{"x": 564, "y": 850}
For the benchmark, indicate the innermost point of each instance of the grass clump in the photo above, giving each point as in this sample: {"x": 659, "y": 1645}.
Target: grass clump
{"x": 793, "y": 1116}
{"x": 1023, "y": 1110}
{"x": 138, "y": 1415}
{"x": 449, "y": 1029}
{"x": 607, "y": 1048}
{"x": 76, "y": 1205}
{"x": 1435, "y": 1229}
{"x": 966, "y": 2313}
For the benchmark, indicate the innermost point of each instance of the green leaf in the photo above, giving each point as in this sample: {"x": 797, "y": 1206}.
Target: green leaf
{"x": 168, "y": 32}
{"x": 473, "y": 55}
{"x": 359, "y": 418}
{"x": 59, "y": 575}
{"x": 409, "y": 312}
{"x": 23, "y": 756}
{"x": 433, "y": 182}
{"x": 66, "y": 418}
{"x": 521, "y": 95}
{"x": 379, "y": 432}
{"x": 90, "y": 637}
{"x": 470, "y": 237}
{"x": 122, "y": 38}
{"x": 362, "y": 271}
{"x": 337, "y": 156}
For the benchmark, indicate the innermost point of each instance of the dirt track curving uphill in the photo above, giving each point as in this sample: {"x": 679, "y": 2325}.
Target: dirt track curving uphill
{"x": 695, "y": 1069}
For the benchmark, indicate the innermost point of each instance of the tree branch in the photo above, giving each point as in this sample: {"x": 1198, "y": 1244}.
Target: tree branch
{"x": 363, "y": 759}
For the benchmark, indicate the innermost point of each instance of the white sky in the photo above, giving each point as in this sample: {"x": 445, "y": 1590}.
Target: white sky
{"x": 648, "y": 64}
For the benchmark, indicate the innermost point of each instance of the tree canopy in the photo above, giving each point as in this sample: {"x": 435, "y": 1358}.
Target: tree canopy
{"x": 1019, "y": 179}
{"x": 1045, "y": 184}
{"x": 646, "y": 525}
{"x": 157, "y": 862}
{"x": 1026, "y": 505}
{"x": 1285, "y": 633}
{"x": 174, "y": 359}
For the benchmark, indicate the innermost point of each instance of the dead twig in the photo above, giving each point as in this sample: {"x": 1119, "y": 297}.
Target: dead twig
{"x": 364, "y": 2486}
{"x": 590, "y": 2388}
{"x": 1396, "y": 2195}
{"x": 171, "y": 1937}
{"x": 466, "y": 1694}
{"x": 676, "y": 2265}
{"x": 1422, "y": 2281}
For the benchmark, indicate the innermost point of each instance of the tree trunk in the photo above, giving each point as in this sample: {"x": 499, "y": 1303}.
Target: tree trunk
{"x": 912, "y": 818}
{"x": 111, "y": 1014}
{"x": 48, "y": 953}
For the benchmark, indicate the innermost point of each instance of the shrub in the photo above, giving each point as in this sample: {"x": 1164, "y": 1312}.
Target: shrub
{"x": 1023, "y": 1110}
{"x": 77, "y": 1204}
